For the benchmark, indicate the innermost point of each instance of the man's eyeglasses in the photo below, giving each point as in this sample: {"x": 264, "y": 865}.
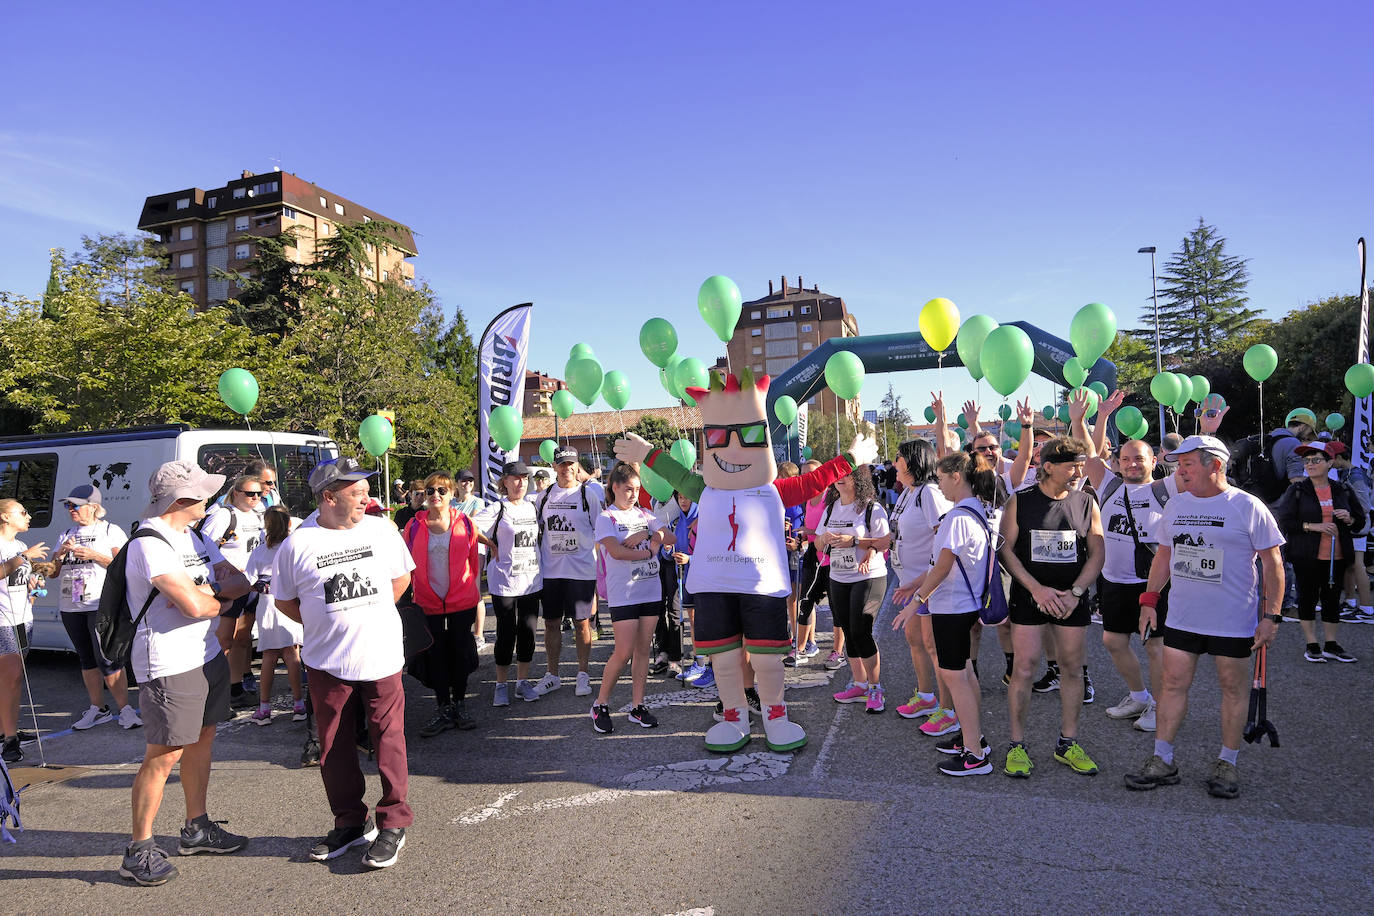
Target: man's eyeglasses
{"x": 269, "y": 484}
{"x": 986, "y": 448}
{"x": 751, "y": 435}
{"x": 436, "y": 491}
{"x": 251, "y": 494}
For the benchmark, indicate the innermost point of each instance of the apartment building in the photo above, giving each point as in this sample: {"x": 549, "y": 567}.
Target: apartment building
{"x": 203, "y": 230}
{"x": 539, "y": 391}
{"x": 774, "y": 332}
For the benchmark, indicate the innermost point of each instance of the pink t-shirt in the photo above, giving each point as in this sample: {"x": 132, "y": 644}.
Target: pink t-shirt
{"x": 814, "y": 514}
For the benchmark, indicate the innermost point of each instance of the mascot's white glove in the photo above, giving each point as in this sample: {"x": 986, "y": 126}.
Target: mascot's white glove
{"x": 633, "y": 449}
{"x": 863, "y": 450}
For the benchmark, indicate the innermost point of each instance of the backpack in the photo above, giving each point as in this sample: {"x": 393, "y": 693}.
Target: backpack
{"x": 199, "y": 529}
{"x": 115, "y": 626}
{"x": 1252, "y": 467}
{"x": 544, "y": 501}
{"x": 992, "y": 606}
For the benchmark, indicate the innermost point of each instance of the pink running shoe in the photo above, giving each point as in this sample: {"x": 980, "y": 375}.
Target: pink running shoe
{"x": 917, "y": 707}
{"x": 941, "y": 722}
{"x": 875, "y": 702}
{"x": 261, "y": 717}
{"x": 852, "y": 694}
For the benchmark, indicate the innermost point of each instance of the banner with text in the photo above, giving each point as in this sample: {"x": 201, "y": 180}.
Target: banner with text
{"x": 1360, "y": 431}
{"x": 500, "y": 381}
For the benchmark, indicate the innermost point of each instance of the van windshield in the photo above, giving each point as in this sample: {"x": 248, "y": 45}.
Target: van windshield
{"x": 293, "y": 464}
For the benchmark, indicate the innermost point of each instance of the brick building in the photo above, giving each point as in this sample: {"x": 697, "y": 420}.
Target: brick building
{"x": 204, "y": 230}
{"x": 539, "y": 391}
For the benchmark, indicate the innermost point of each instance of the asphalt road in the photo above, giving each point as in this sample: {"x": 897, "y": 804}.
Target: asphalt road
{"x": 534, "y": 813}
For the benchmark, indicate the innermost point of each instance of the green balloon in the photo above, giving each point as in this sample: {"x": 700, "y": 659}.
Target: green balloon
{"x": 658, "y": 341}
{"x": 1093, "y": 401}
{"x": 658, "y": 488}
{"x": 962, "y": 421}
{"x": 505, "y": 426}
{"x": 719, "y": 302}
{"x": 806, "y": 453}
{"x": 961, "y": 434}
{"x": 1048, "y": 412}
{"x": 668, "y": 376}
{"x": 1181, "y": 405}
{"x": 691, "y": 373}
{"x": 1260, "y": 361}
{"x": 1092, "y": 332}
{"x": 1359, "y": 380}
{"x": 1200, "y": 387}
{"x": 564, "y": 403}
{"x": 1099, "y": 388}
{"x": 1007, "y": 358}
{"x": 1074, "y": 373}
{"x": 785, "y": 409}
{"x": 844, "y": 374}
{"x": 930, "y": 414}
{"x": 546, "y": 450}
{"x": 685, "y": 452}
{"x": 1004, "y": 411}
{"x": 375, "y": 433}
{"x": 584, "y": 379}
{"x": 615, "y": 389}
{"x": 1140, "y": 431}
{"x": 239, "y": 390}
{"x": 1334, "y": 421}
{"x": 1008, "y": 445}
{"x": 1165, "y": 388}
{"x": 1063, "y": 413}
{"x": 969, "y": 344}
{"x": 1012, "y": 430}
{"x": 581, "y": 351}
{"x": 1127, "y": 419}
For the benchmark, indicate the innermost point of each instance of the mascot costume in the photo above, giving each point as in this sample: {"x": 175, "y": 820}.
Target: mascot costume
{"x": 739, "y": 575}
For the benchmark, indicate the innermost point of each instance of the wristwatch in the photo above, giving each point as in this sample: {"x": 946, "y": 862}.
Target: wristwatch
{"x": 1276, "y": 618}
{"x": 1078, "y": 591}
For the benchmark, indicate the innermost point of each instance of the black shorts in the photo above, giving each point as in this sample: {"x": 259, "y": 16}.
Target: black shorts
{"x": 1202, "y": 644}
{"x": 572, "y": 599}
{"x": 1025, "y": 612}
{"x": 81, "y": 631}
{"x": 953, "y": 639}
{"x": 1121, "y": 607}
{"x": 636, "y": 611}
{"x": 725, "y": 620}
{"x": 245, "y": 604}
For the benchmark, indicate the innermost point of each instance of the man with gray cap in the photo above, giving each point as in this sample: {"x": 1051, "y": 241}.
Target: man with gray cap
{"x": 180, "y": 583}
{"x": 566, "y": 513}
{"x": 340, "y": 574}
{"x": 1209, "y": 537}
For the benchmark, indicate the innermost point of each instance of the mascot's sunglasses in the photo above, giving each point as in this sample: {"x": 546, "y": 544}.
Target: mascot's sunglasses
{"x": 751, "y": 435}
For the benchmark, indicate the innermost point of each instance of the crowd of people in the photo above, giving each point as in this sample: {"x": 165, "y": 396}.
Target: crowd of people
{"x": 1159, "y": 548}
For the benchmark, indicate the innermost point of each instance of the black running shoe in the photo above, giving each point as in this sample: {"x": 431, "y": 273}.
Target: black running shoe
{"x": 1048, "y": 681}
{"x": 440, "y": 723}
{"x": 144, "y": 863}
{"x": 954, "y": 744}
{"x": 11, "y": 752}
{"x": 384, "y": 850}
{"x": 601, "y": 719}
{"x": 461, "y": 718}
{"x": 205, "y": 835}
{"x": 643, "y": 718}
{"x": 1089, "y": 694}
{"x": 751, "y": 698}
{"x": 341, "y": 839}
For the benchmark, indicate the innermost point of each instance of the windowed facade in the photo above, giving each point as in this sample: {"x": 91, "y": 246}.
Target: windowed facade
{"x": 183, "y": 203}
{"x": 186, "y": 259}
{"x": 780, "y": 311}
{"x": 266, "y": 187}
{"x": 288, "y": 212}
{"x": 806, "y": 328}
{"x": 755, "y": 316}
{"x": 240, "y": 223}
{"x": 240, "y": 193}
{"x": 212, "y": 202}
{"x": 242, "y": 252}
{"x": 186, "y": 233}
{"x": 756, "y": 332}
{"x": 189, "y": 287}
{"x": 339, "y": 209}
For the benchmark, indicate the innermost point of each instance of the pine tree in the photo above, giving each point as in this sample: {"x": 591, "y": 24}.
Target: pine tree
{"x": 1202, "y": 298}
{"x": 54, "y": 290}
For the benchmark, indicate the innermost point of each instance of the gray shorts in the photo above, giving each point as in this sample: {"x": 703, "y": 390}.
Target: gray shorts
{"x": 175, "y": 708}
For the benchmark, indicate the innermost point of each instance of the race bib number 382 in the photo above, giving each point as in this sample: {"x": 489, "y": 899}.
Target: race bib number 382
{"x": 1054, "y": 546}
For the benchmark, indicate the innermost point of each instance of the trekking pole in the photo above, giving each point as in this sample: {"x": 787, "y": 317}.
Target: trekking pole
{"x": 1331, "y": 568}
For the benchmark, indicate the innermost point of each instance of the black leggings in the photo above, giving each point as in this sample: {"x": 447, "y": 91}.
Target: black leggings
{"x": 854, "y": 605}
{"x": 516, "y": 618}
{"x": 1312, "y": 576}
{"x": 453, "y": 656}
{"x": 668, "y": 629}
{"x": 815, "y": 581}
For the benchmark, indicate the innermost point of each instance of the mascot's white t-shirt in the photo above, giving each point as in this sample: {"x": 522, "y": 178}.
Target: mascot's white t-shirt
{"x": 745, "y": 552}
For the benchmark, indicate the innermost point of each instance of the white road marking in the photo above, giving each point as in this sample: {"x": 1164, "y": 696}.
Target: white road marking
{"x": 823, "y": 757}
{"x": 697, "y": 911}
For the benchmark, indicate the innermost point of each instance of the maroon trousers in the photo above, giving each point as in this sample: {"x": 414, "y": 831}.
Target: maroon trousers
{"x": 384, "y": 701}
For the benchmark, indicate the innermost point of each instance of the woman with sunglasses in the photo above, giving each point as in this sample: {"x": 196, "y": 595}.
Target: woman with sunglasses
{"x": 16, "y": 619}
{"x": 1318, "y": 515}
{"x": 83, "y": 553}
{"x": 236, "y": 529}
{"x": 445, "y": 585}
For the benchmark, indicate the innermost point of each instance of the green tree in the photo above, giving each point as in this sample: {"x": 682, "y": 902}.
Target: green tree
{"x": 654, "y": 429}
{"x": 1202, "y": 298}
{"x": 820, "y": 435}
{"x": 125, "y": 265}
{"x": 893, "y": 419}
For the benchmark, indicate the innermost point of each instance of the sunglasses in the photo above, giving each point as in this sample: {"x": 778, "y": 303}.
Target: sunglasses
{"x": 252, "y": 494}
{"x": 436, "y": 491}
{"x": 1315, "y": 459}
{"x": 987, "y": 448}
{"x": 751, "y": 435}
{"x": 70, "y": 507}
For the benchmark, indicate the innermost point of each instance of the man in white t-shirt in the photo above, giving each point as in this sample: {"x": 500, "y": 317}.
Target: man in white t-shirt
{"x": 1209, "y": 538}
{"x": 236, "y": 527}
{"x": 178, "y": 583}
{"x": 340, "y": 575}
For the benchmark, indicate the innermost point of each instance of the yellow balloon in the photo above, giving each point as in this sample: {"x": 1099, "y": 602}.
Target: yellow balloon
{"x": 939, "y": 323}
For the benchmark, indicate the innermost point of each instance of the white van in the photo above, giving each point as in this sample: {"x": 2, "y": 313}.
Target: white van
{"x": 40, "y": 471}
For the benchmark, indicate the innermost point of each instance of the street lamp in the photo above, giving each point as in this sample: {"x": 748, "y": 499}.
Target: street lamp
{"x": 1154, "y": 300}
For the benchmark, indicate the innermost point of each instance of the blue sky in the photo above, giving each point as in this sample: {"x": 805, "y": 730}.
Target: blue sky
{"x": 602, "y": 159}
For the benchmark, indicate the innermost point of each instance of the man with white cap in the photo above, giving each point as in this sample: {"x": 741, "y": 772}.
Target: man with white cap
{"x": 1209, "y": 538}
{"x": 180, "y": 583}
{"x": 340, "y": 574}
{"x": 567, "y": 513}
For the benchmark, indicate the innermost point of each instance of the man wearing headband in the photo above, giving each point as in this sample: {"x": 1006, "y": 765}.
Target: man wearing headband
{"x": 1053, "y": 549}
{"x": 1209, "y": 538}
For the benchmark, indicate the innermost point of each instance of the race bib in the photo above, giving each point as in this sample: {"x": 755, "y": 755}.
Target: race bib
{"x": 562, "y": 542}
{"x": 646, "y": 570}
{"x": 1054, "y": 546}
{"x": 845, "y": 559}
{"x": 523, "y": 561}
{"x": 1199, "y": 564}
{"x": 74, "y": 586}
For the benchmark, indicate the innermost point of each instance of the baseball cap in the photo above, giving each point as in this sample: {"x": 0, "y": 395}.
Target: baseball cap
{"x": 514, "y": 469}
{"x": 466, "y": 474}
{"x": 1329, "y": 449}
{"x": 565, "y": 454}
{"x": 335, "y": 470}
{"x": 1209, "y": 444}
{"x": 179, "y": 480}
{"x": 83, "y": 495}
{"x": 1301, "y": 415}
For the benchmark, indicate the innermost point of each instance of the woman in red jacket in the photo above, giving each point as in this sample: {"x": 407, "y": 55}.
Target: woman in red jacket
{"x": 445, "y": 584}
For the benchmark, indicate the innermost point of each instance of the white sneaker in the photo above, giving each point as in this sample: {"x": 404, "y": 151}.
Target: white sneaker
{"x": 1128, "y": 708}
{"x": 1146, "y": 722}
{"x": 129, "y": 718}
{"x": 584, "y": 684}
{"x": 96, "y": 715}
{"x": 548, "y": 684}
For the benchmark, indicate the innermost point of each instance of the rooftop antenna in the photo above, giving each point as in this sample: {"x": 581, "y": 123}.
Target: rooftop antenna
{"x": 276, "y": 159}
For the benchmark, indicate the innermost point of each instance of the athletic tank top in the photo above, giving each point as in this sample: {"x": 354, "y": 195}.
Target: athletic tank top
{"x": 1052, "y": 535}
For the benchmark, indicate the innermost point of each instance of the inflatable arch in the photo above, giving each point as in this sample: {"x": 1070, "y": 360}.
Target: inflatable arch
{"x": 908, "y": 350}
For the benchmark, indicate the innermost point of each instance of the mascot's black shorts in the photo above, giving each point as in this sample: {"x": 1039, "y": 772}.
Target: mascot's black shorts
{"x": 725, "y": 620}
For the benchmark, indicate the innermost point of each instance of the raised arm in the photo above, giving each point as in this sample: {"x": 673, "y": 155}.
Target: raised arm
{"x": 1025, "y": 415}
{"x": 634, "y": 449}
